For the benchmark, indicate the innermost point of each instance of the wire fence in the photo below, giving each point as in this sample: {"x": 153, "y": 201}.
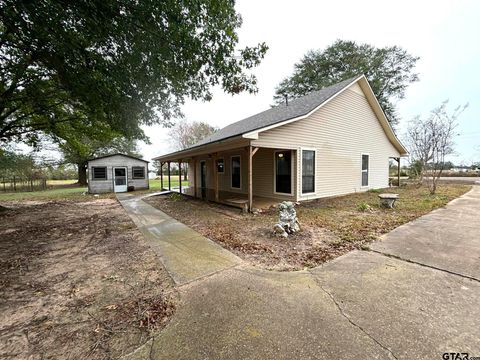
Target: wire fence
{"x": 21, "y": 184}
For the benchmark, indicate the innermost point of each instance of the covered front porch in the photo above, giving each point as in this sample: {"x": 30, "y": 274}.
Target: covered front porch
{"x": 241, "y": 175}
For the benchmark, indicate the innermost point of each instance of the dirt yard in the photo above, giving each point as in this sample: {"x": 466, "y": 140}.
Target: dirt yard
{"x": 330, "y": 227}
{"x": 77, "y": 281}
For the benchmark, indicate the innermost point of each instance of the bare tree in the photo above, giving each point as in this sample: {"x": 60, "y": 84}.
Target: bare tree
{"x": 432, "y": 139}
{"x": 187, "y": 133}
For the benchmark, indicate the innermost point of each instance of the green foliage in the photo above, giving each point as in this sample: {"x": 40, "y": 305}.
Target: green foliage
{"x": 120, "y": 64}
{"x": 19, "y": 165}
{"x": 61, "y": 172}
{"x": 375, "y": 191}
{"x": 389, "y": 71}
{"x": 175, "y": 197}
{"x": 363, "y": 207}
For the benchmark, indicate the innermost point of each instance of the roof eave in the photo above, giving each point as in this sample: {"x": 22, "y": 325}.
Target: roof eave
{"x": 196, "y": 150}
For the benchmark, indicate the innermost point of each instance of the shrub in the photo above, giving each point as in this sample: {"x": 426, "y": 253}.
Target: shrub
{"x": 376, "y": 191}
{"x": 175, "y": 197}
{"x": 363, "y": 206}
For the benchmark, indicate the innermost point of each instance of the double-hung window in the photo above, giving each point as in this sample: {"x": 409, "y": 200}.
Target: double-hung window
{"x": 365, "y": 166}
{"x": 308, "y": 171}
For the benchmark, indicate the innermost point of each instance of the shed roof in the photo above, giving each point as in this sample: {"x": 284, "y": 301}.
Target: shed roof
{"x": 118, "y": 154}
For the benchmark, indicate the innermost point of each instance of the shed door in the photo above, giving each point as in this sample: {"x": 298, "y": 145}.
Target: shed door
{"x": 120, "y": 179}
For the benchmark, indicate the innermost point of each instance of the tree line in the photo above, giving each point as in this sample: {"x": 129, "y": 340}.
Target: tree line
{"x": 88, "y": 76}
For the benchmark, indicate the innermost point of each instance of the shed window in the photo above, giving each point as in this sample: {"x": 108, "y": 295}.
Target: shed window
{"x": 220, "y": 166}
{"x": 365, "y": 166}
{"x": 99, "y": 173}
{"x": 138, "y": 172}
{"x": 308, "y": 171}
{"x": 236, "y": 172}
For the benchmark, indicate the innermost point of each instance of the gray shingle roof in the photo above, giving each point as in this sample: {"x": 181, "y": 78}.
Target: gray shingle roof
{"x": 296, "y": 107}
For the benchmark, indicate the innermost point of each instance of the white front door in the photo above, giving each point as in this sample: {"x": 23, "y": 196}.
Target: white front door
{"x": 120, "y": 179}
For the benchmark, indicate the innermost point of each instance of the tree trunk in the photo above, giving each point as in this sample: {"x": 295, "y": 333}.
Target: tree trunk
{"x": 82, "y": 173}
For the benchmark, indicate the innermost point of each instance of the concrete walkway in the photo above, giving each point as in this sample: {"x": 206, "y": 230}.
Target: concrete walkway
{"x": 447, "y": 238}
{"x": 364, "y": 305}
{"x": 186, "y": 254}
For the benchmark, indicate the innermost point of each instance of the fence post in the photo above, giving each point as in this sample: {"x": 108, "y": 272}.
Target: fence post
{"x": 4, "y": 185}
{"x": 31, "y": 184}
{"x": 14, "y": 184}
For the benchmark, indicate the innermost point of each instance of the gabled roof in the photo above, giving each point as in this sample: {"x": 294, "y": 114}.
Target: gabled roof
{"x": 116, "y": 154}
{"x": 297, "y": 109}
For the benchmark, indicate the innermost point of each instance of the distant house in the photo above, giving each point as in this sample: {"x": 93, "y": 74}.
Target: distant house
{"x": 330, "y": 142}
{"x": 117, "y": 173}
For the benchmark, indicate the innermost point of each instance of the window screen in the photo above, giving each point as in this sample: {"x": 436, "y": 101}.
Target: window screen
{"x": 365, "y": 165}
{"x": 99, "y": 173}
{"x": 138, "y": 172}
{"x": 308, "y": 171}
{"x": 236, "y": 172}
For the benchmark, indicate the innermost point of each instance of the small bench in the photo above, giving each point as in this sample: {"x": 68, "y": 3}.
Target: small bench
{"x": 388, "y": 200}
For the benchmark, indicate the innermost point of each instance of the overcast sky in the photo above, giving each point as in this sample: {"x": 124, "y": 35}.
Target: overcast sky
{"x": 444, "y": 34}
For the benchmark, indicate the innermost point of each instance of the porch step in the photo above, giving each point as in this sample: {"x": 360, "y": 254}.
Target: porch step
{"x": 240, "y": 203}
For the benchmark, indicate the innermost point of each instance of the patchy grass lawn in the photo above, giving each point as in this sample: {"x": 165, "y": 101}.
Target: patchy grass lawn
{"x": 155, "y": 185}
{"x": 67, "y": 193}
{"x": 330, "y": 227}
{"x": 77, "y": 280}
{"x": 358, "y": 218}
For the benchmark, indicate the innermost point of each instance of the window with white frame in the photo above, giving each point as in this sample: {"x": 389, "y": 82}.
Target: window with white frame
{"x": 236, "y": 172}
{"x": 308, "y": 171}
{"x": 365, "y": 166}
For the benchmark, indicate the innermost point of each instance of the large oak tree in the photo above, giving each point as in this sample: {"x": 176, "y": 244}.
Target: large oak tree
{"x": 389, "y": 71}
{"x": 117, "y": 63}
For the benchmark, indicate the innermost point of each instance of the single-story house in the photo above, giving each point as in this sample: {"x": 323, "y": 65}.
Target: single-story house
{"x": 330, "y": 142}
{"x": 117, "y": 173}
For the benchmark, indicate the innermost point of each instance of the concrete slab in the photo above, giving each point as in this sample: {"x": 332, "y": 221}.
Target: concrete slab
{"x": 447, "y": 238}
{"x": 415, "y": 311}
{"x": 252, "y": 314}
{"x": 186, "y": 254}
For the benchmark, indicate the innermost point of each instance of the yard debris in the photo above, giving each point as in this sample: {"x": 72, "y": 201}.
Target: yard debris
{"x": 288, "y": 222}
{"x": 97, "y": 294}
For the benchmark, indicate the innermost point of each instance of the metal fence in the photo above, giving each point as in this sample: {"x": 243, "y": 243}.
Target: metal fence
{"x": 20, "y": 184}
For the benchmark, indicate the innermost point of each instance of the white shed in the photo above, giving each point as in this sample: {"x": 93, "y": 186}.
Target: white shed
{"x": 117, "y": 173}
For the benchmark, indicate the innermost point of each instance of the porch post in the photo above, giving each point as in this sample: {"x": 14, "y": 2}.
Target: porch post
{"x": 169, "y": 187}
{"x": 161, "y": 176}
{"x": 180, "y": 175}
{"x": 250, "y": 178}
{"x": 195, "y": 177}
{"x": 398, "y": 174}
{"x": 215, "y": 176}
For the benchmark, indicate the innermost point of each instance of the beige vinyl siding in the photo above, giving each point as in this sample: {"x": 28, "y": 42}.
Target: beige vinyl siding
{"x": 224, "y": 180}
{"x": 264, "y": 174}
{"x": 340, "y": 132}
{"x": 102, "y": 186}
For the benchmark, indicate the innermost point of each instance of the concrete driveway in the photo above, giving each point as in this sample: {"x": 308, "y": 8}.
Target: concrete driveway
{"x": 414, "y": 296}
